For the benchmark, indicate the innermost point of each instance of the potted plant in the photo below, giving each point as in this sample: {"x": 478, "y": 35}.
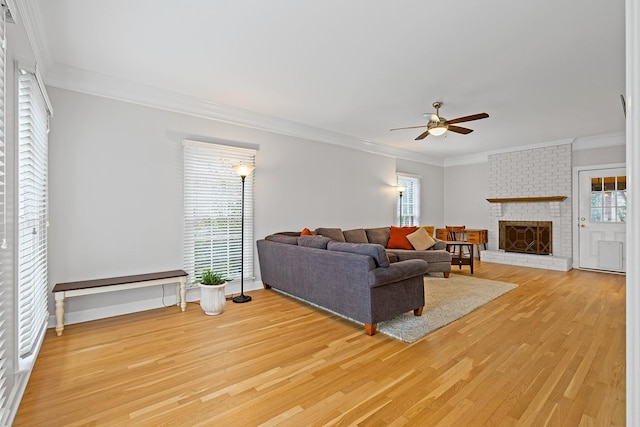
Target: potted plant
{"x": 212, "y": 297}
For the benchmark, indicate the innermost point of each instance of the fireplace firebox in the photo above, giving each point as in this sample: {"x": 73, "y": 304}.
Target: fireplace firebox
{"x": 529, "y": 237}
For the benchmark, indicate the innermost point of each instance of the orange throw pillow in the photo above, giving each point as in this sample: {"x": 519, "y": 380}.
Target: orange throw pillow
{"x": 398, "y": 237}
{"x": 307, "y": 232}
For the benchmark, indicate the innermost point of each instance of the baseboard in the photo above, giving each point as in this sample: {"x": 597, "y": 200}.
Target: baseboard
{"x": 193, "y": 294}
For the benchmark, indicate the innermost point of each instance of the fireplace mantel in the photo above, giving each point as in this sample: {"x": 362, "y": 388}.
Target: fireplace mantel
{"x": 528, "y": 199}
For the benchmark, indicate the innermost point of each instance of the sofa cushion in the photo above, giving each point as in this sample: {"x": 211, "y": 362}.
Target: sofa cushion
{"x": 318, "y": 242}
{"x": 281, "y": 238}
{"x": 420, "y": 239}
{"x": 432, "y": 257}
{"x": 398, "y": 237}
{"x": 377, "y": 252}
{"x": 357, "y": 235}
{"x": 379, "y": 235}
{"x": 332, "y": 233}
{"x": 307, "y": 232}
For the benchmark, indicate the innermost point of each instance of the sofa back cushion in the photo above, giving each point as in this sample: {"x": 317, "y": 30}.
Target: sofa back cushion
{"x": 379, "y": 236}
{"x": 356, "y": 235}
{"x": 398, "y": 237}
{"x": 281, "y": 238}
{"x": 377, "y": 252}
{"x": 332, "y": 233}
{"x": 318, "y": 242}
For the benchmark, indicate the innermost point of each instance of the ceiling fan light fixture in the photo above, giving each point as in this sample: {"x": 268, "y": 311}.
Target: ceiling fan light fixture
{"x": 438, "y": 129}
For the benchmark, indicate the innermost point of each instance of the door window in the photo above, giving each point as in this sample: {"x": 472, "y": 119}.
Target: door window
{"x": 609, "y": 199}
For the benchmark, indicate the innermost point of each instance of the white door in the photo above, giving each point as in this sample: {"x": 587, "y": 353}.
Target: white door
{"x": 601, "y": 222}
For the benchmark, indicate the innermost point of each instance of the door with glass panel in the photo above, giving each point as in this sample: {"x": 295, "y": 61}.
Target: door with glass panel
{"x": 602, "y": 219}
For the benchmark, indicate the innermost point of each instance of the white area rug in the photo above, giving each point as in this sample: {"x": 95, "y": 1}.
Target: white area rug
{"x": 446, "y": 300}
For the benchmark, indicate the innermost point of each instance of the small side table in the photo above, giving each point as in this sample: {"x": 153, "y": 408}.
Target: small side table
{"x": 458, "y": 256}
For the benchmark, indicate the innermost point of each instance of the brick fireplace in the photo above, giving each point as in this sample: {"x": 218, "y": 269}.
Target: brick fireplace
{"x": 533, "y": 186}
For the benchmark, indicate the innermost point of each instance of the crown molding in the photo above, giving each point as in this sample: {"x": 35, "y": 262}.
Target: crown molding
{"x": 82, "y": 81}
{"x": 466, "y": 160}
{"x": 30, "y": 15}
{"x": 599, "y": 141}
{"x": 484, "y": 156}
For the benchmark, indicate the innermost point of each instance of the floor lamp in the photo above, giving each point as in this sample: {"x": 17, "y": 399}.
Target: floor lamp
{"x": 401, "y": 189}
{"x": 243, "y": 171}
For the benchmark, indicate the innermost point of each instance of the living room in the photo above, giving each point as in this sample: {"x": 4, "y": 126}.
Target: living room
{"x": 116, "y": 183}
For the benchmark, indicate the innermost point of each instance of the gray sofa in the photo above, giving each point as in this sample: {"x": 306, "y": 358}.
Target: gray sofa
{"x": 355, "y": 280}
{"x": 438, "y": 258}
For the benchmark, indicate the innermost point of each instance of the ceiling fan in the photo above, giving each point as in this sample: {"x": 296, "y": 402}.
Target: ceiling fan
{"x": 438, "y": 125}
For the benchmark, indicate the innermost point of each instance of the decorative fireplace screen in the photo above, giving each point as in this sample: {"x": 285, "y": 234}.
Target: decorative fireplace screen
{"x": 530, "y": 237}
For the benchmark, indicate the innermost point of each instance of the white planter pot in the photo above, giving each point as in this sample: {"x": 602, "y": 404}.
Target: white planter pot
{"x": 212, "y": 299}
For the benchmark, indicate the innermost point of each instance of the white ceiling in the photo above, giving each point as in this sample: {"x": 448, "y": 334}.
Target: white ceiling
{"x": 543, "y": 70}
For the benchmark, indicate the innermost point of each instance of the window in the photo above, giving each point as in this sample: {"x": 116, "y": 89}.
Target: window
{"x": 609, "y": 199}
{"x": 212, "y": 210}
{"x": 409, "y": 204}
{"x": 33, "y": 127}
{"x": 5, "y": 283}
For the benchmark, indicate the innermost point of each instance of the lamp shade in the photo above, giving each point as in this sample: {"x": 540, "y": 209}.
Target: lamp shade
{"x": 401, "y": 188}
{"x": 438, "y": 130}
{"x": 243, "y": 170}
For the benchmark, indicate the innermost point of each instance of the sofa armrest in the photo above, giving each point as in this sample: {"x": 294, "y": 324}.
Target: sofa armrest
{"x": 397, "y": 271}
{"x": 439, "y": 246}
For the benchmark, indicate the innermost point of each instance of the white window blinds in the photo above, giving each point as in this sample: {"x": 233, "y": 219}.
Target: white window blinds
{"x": 32, "y": 217}
{"x": 409, "y": 212}
{"x": 5, "y": 281}
{"x": 212, "y": 210}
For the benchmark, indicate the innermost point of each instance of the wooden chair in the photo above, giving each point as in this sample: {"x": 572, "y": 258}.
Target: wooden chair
{"x": 455, "y": 233}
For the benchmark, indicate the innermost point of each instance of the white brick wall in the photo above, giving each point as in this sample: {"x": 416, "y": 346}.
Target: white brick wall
{"x": 533, "y": 173}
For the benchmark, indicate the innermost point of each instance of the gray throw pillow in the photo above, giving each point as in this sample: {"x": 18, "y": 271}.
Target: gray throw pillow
{"x": 377, "y": 252}
{"x": 318, "y": 242}
{"x": 332, "y": 233}
{"x": 357, "y": 235}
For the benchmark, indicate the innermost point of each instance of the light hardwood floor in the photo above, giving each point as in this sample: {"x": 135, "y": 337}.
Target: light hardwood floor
{"x": 551, "y": 352}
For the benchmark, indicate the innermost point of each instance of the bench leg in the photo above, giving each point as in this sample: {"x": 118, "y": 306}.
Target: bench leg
{"x": 183, "y": 294}
{"x": 418, "y": 311}
{"x": 59, "y": 313}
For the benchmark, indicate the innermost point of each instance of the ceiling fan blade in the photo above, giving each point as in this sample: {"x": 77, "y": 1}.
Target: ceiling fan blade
{"x": 460, "y": 129}
{"x": 410, "y": 127}
{"x": 423, "y": 135}
{"x": 468, "y": 118}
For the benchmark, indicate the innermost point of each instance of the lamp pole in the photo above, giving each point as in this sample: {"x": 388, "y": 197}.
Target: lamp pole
{"x": 400, "y": 189}
{"x": 243, "y": 171}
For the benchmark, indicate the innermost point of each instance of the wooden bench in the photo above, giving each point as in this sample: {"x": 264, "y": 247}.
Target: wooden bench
{"x": 111, "y": 284}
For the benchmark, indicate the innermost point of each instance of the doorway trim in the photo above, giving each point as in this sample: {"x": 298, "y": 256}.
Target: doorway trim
{"x": 576, "y": 208}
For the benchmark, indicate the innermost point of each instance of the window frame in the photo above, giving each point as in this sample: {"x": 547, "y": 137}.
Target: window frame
{"x": 33, "y": 221}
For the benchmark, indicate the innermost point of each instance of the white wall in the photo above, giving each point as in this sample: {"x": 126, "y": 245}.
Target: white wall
{"x": 431, "y": 194}
{"x": 599, "y": 156}
{"x": 466, "y": 188}
{"x": 116, "y": 191}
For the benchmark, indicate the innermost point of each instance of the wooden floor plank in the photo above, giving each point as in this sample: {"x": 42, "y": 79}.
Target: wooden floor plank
{"x": 551, "y": 352}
